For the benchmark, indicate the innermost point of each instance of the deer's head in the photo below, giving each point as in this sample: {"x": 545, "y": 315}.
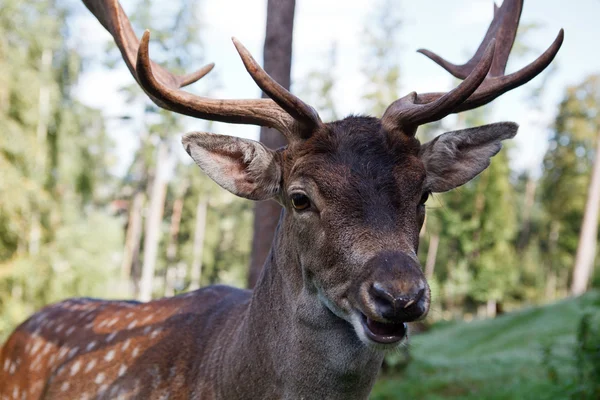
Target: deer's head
{"x": 354, "y": 190}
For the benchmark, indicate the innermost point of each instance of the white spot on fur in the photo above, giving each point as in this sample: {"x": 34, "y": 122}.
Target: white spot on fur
{"x": 70, "y": 330}
{"x": 126, "y": 344}
{"x": 132, "y": 324}
{"x": 155, "y": 333}
{"x": 122, "y": 370}
{"x": 64, "y": 387}
{"x": 148, "y": 318}
{"x": 110, "y": 337}
{"x": 36, "y": 346}
{"x": 99, "y": 378}
{"x": 112, "y": 322}
{"x": 75, "y": 368}
{"x": 90, "y": 365}
{"x": 90, "y": 345}
{"x": 135, "y": 351}
{"x": 63, "y": 352}
{"x": 109, "y": 356}
{"x": 147, "y": 330}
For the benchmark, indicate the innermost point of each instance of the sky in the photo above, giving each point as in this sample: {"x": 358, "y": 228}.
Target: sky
{"x": 453, "y": 29}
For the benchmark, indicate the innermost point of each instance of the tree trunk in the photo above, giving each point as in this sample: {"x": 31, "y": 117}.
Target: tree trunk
{"x": 196, "y": 272}
{"x": 434, "y": 242}
{"x": 35, "y": 233}
{"x": 153, "y": 222}
{"x": 277, "y": 63}
{"x": 171, "y": 272}
{"x": 132, "y": 237}
{"x": 586, "y": 248}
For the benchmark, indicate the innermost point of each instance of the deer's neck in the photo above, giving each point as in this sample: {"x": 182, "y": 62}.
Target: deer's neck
{"x": 289, "y": 345}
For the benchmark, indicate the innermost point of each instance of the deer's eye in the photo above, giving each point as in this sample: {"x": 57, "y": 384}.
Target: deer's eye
{"x": 300, "y": 201}
{"x": 424, "y": 198}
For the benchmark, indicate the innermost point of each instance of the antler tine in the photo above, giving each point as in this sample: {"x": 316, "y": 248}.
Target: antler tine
{"x": 298, "y": 109}
{"x": 503, "y": 28}
{"x": 287, "y": 113}
{"x": 110, "y": 13}
{"x": 492, "y": 88}
{"x": 411, "y": 111}
{"x": 416, "y": 109}
{"x": 255, "y": 112}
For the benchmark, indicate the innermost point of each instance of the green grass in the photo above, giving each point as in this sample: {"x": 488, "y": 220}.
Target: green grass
{"x": 522, "y": 355}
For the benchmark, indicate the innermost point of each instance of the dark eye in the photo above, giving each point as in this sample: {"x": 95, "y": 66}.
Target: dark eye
{"x": 424, "y": 198}
{"x": 300, "y": 201}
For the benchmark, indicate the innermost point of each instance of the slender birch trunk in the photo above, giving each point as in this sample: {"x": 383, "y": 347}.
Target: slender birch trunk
{"x": 196, "y": 271}
{"x": 153, "y": 222}
{"x": 434, "y": 242}
{"x": 132, "y": 237}
{"x": 171, "y": 272}
{"x": 586, "y": 249}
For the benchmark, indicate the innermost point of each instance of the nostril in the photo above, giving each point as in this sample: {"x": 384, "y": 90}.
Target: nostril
{"x": 400, "y": 307}
{"x": 416, "y": 299}
{"x": 383, "y": 299}
{"x": 381, "y": 293}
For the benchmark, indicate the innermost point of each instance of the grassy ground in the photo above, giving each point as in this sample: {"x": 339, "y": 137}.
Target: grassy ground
{"x": 523, "y": 355}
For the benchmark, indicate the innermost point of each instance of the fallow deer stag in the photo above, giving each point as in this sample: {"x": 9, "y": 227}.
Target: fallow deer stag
{"x": 342, "y": 279}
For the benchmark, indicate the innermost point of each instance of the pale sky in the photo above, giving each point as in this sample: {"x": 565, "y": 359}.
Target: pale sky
{"x": 452, "y": 29}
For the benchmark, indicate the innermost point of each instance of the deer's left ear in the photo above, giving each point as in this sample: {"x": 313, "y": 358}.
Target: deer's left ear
{"x": 454, "y": 158}
{"x": 244, "y": 167}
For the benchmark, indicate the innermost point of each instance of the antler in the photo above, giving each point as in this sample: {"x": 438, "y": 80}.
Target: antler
{"x": 285, "y": 112}
{"x": 416, "y": 109}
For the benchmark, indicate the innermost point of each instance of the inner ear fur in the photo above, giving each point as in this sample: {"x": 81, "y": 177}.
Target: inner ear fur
{"x": 244, "y": 167}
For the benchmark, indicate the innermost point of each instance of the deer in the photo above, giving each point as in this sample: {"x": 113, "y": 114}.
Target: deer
{"x": 342, "y": 279}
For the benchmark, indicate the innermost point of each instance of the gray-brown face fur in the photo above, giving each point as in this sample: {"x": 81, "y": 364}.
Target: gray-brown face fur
{"x": 354, "y": 205}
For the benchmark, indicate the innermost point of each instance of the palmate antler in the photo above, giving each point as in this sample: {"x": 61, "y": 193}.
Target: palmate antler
{"x": 478, "y": 88}
{"x": 285, "y": 112}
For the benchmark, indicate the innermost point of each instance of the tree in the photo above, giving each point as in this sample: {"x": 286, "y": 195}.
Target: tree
{"x": 586, "y": 248}
{"x": 567, "y": 168}
{"x": 277, "y": 55}
{"x": 57, "y": 235}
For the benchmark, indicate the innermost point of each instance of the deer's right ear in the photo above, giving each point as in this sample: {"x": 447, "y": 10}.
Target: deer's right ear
{"x": 244, "y": 167}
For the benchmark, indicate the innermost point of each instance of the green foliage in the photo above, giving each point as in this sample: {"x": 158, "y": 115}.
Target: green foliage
{"x": 587, "y": 356}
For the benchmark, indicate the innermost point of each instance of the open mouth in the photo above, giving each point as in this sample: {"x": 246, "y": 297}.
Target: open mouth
{"x": 383, "y": 332}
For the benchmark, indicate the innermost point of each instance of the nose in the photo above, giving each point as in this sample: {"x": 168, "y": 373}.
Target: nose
{"x": 396, "y": 289}
{"x": 403, "y": 307}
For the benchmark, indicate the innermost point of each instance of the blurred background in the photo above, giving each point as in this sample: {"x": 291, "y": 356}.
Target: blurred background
{"x": 96, "y": 190}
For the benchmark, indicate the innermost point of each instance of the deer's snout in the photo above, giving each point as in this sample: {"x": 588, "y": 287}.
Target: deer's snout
{"x": 396, "y": 291}
{"x": 398, "y": 307}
